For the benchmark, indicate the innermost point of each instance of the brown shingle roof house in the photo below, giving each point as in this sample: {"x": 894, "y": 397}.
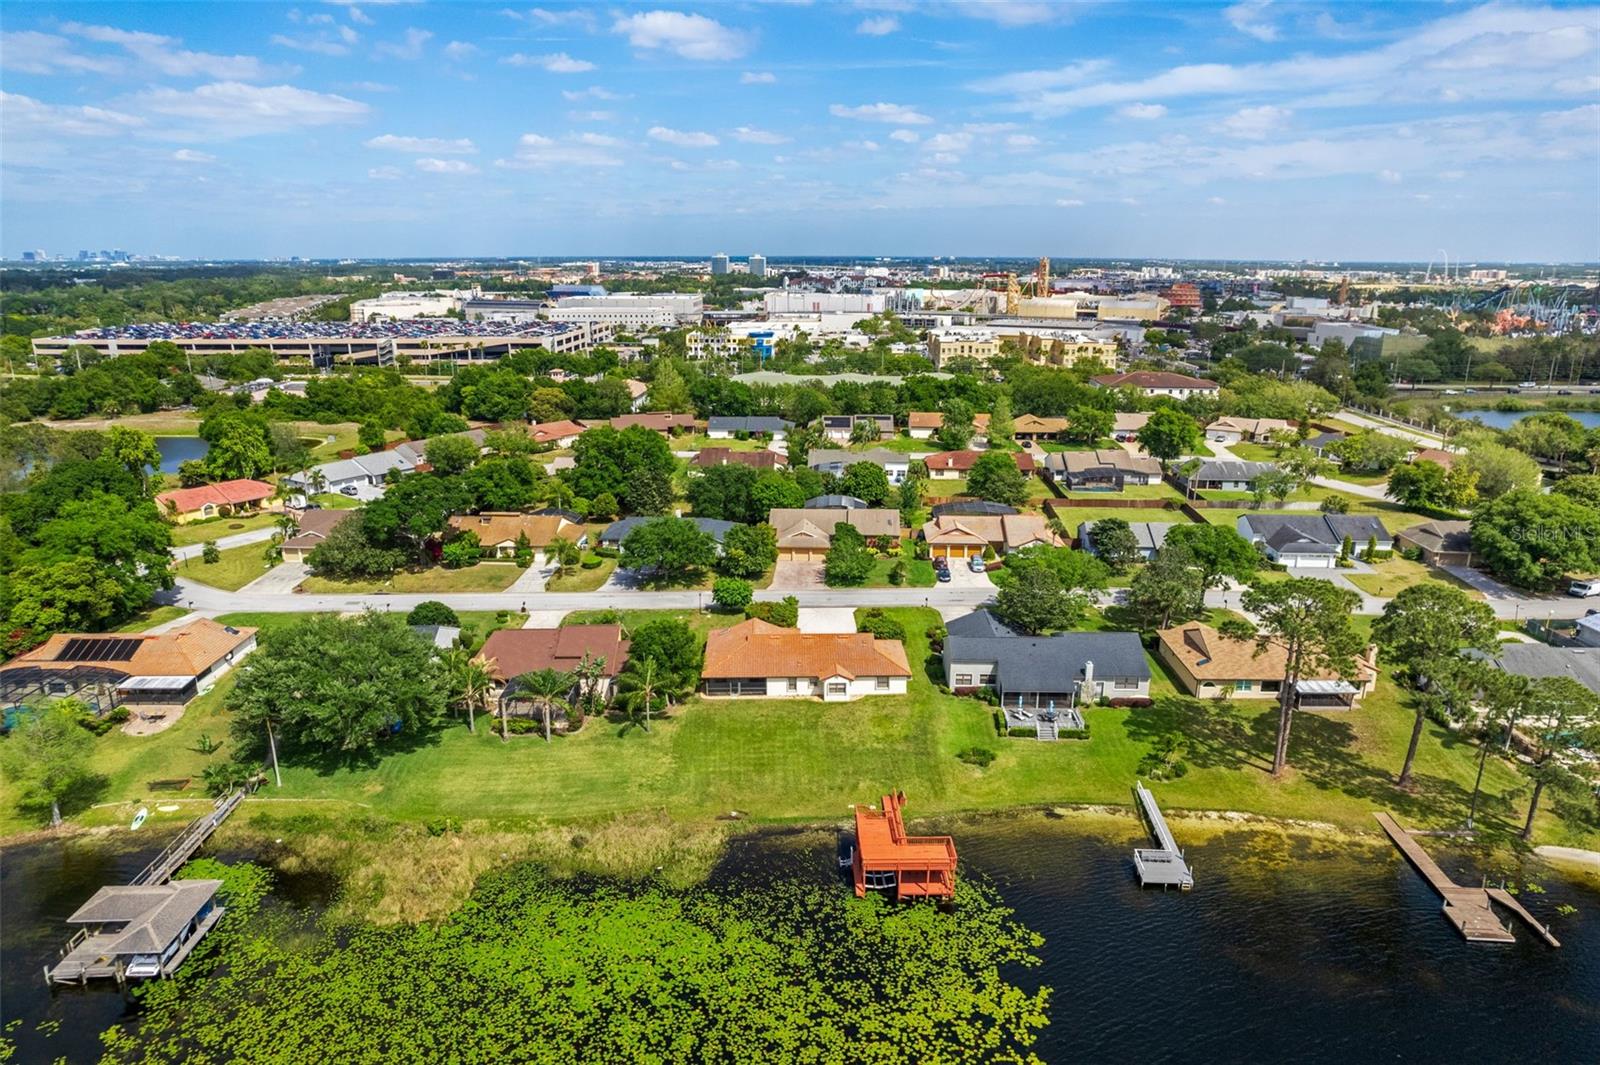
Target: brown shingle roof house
{"x": 957, "y": 463}
{"x": 162, "y": 668}
{"x": 498, "y": 530}
{"x": 512, "y": 652}
{"x": 758, "y": 658}
{"x": 805, "y": 534}
{"x": 725, "y": 456}
{"x": 312, "y": 529}
{"x": 1212, "y": 666}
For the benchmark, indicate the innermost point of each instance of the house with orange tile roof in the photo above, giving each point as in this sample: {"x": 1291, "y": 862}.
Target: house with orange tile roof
{"x": 509, "y": 653}
{"x": 562, "y": 434}
{"x": 109, "y": 669}
{"x": 498, "y": 531}
{"x": 222, "y": 499}
{"x": 886, "y": 858}
{"x": 758, "y": 659}
{"x": 1209, "y": 665}
{"x": 953, "y": 465}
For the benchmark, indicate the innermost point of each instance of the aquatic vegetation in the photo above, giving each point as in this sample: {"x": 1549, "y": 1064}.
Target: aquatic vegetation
{"x": 535, "y": 969}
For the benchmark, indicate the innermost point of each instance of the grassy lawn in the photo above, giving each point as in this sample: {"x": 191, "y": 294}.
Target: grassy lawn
{"x": 792, "y": 760}
{"x": 484, "y": 577}
{"x": 198, "y": 532}
{"x": 1394, "y": 575}
{"x": 156, "y": 423}
{"x": 236, "y": 567}
{"x": 919, "y": 571}
{"x": 335, "y": 501}
{"x": 699, "y": 442}
{"x": 1254, "y": 452}
{"x": 149, "y": 619}
{"x": 1360, "y": 477}
{"x": 1073, "y": 516}
{"x": 583, "y": 580}
{"x": 944, "y": 488}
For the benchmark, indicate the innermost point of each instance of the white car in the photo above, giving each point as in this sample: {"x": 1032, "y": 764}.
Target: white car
{"x": 1584, "y": 589}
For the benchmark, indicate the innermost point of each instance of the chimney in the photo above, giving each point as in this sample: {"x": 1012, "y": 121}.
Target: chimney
{"x": 1088, "y": 679}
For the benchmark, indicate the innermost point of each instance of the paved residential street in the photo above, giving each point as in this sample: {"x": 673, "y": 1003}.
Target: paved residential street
{"x": 254, "y": 536}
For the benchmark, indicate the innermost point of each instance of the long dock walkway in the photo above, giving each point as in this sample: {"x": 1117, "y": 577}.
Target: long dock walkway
{"x": 181, "y": 849}
{"x": 1165, "y": 864}
{"x": 1467, "y": 908}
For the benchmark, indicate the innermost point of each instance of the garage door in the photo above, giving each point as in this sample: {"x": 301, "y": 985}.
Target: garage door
{"x": 1310, "y": 562}
{"x": 802, "y": 554}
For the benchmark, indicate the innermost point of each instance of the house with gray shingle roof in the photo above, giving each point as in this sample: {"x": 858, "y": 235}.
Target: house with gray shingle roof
{"x": 1043, "y": 672}
{"x": 1225, "y": 476}
{"x": 1313, "y": 540}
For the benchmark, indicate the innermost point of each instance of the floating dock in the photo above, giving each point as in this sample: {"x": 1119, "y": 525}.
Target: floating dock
{"x": 1163, "y": 865}
{"x": 1467, "y": 908}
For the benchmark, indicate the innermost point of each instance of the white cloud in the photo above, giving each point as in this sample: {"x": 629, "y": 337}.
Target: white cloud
{"x": 385, "y": 173}
{"x": 1021, "y": 140}
{"x": 320, "y": 44}
{"x": 537, "y": 152}
{"x": 421, "y": 145}
{"x": 29, "y": 52}
{"x": 555, "y": 62}
{"x": 686, "y": 36}
{"x": 23, "y": 114}
{"x": 878, "y": 27}
{"x": 545, "y": 17}
{"x": 861, "y": 146}
{"x": 753, "y": 77}
{"x": 1389, "y": 177}
{"x": 591, "y": 116}
{"x": 189, "y": 155}
{"x": 594, "y": 92}
{"x": 370, "y": 86}
{"x": 1142, "y": 112}
{"x": 233, "y": 109}
{"x": 748, "y": 135}
{"x": 1255, "y": 123}
{"x": 165, "y": 55}
{"x": 409, "y": 47}
{"x": 1069, "y": 203}
{"x": 1012, "y": 13}
{"x": 898, "y": 114}
{"x": 1532, "y": 47}
{"x": 457, "y": 51}
{"x": 1247, "y": 18}
{"x": 1039, "y": 80}
{"x": 445, "y": 166}
{"x": 905, "y": 136}
{"x": 682, "y": 138}
{"x": 1216, "y": 201}
{"x": 1580, "y": 86}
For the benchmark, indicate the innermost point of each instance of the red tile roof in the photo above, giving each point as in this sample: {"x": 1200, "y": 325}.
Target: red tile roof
{"x": 963, "y": 460}
{"x": 512, "y": 652}
{"x": 223, "y": 493}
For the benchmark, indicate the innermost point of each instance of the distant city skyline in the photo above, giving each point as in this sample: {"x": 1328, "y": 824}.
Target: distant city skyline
{"x": 1245, "y": 131}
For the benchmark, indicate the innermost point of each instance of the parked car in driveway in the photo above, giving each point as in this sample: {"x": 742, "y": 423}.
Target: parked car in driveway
{"x": 943, "y": 574}
{"x": 977, "y": 565}
{"x": 349, "y": 490}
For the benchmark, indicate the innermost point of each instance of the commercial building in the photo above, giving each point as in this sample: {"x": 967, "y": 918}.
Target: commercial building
{"x": 1184, "y": 296}
{"x": 719, "y": 264}
{"x": 636, "y": 310}
{"x": 758, "y": 266}
{"x": 794, "y": 301}
{"x": 402, "y": 305}
{"x": 962, "y": 342}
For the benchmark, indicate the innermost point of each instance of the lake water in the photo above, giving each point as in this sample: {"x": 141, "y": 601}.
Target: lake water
{"x": 1289, "y": 948}
{"x": 176, "y": 450}
{"x": 1505, "y": 419}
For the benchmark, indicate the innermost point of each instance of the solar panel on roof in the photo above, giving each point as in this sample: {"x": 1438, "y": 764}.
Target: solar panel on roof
{"x": 98, "y": 649}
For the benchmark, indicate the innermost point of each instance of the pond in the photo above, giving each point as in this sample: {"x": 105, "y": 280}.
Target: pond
{"x": 1290, "y": 948}
{"x": 1505, "y": 419}
{"x": 176, "y": 450}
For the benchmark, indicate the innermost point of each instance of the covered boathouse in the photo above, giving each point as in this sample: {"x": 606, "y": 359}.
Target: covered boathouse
{"x": 886, "y": 859}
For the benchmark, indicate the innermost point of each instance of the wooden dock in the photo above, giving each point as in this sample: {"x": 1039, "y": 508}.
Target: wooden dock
{"x": 1467, "y": 908}
{"x": 181, "y": 849}
{"x": 1164, "y": 864}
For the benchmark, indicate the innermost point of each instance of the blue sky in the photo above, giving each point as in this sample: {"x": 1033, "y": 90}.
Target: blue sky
{"x": 1252, "y": 130}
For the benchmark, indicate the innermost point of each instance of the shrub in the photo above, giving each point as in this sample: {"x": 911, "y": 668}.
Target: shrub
{"x": 978, "y": 756}
{"x": 785, "y": 614}
{"x": 502, "y": 616}
{"x": 100, "y": 724}
{"x": 881, "y": 625}
{"x": 1336, "y": 505}
{"x": 523, "y": 726}
{"x": 432, "y": 612}
{"x": 988, "y": 553}
{"x": 209, "y": 553}
{"x": 1023, "y": 730}
{"x": 731, "y": 594}
{"x": 897, "y": 574}
{"x": 987, "y": 694}
{"x": 591, "y": 563}
{"x": 607, "y": 552}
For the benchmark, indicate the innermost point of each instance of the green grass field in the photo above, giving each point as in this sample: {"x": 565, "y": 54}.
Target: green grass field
{"x": 199, "y": 532}
{"x": 149, "y": 619}
{"x": 335, "y": 501}
{"x": 236, "y": 567}
{"x": 484, "y": 577}
{"x": 1159, "y": 490}
{"x": 802, "y": 760}
{"x": 583, "y": 580}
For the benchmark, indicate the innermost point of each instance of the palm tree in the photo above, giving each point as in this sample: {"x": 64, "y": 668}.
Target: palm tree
{"x": 471, "y": 681}
{"x": 589, "y": 673}
{"x": 546, "y": 688}
{"x": 637, "y": 692}
{"x": 564, "y": 553}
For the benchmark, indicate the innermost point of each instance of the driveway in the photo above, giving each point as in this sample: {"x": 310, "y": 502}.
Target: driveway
{"x": 796, "y": 576}
{"x": 827, "y": 619}
{"x": 530, "y": 580}
{"x": 284, "y": 577}
{"x": 544, "y": 619}
{"x": 1491, "y": 588}
{"x": 963, "y": 577}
